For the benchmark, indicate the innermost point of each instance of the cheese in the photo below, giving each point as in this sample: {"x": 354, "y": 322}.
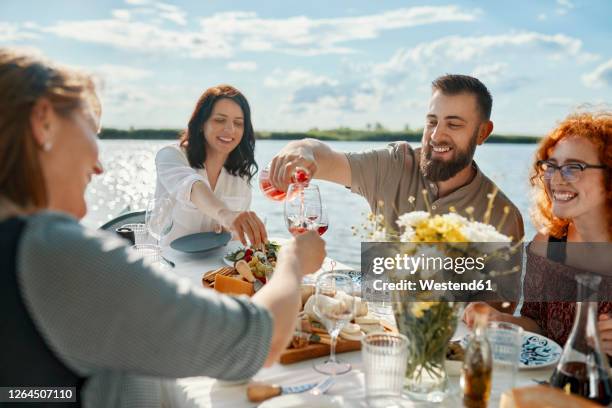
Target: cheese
{"x": 539, "y": 396}
{"x": 233, "y": 286}
{"x": 372, "y": 328}
{"x": 368, "y": 319}
{"x": 361, "y": 306}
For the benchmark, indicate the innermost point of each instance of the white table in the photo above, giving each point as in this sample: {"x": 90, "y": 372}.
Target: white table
{"x": 200, "y": 392}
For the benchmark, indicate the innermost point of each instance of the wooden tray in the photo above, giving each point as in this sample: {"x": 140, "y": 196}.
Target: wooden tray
{"x": 294, "y": 355}
{"x": 290, "y": 356}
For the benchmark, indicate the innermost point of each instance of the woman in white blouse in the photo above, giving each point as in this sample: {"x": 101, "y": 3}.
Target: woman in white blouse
{"x": 208, "y": 173}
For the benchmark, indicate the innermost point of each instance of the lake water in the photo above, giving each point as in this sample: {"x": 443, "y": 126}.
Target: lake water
{"x": 129, "y": 180}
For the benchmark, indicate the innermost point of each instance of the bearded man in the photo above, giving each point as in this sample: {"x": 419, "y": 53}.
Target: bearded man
{"x": 392, "y": 179}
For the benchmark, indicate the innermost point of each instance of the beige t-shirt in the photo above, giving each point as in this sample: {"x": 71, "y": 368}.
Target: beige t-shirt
{"x": 392, "y": 175}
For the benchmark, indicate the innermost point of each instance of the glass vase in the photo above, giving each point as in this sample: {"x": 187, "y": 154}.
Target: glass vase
{"x": 429, "y": 327}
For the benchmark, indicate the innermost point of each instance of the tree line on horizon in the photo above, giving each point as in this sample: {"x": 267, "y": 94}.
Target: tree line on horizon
{"x": 340, "y": 134}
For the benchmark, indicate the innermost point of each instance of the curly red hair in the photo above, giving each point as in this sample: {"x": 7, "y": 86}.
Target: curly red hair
{"x": 596, "y": 127}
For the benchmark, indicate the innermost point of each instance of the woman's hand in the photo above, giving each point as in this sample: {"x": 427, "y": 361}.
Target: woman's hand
{"x": 605, "y": 333}
{"x": 307, "y": 249}
{"x": 244, "y": 224}
{"x": 469, "y": 314}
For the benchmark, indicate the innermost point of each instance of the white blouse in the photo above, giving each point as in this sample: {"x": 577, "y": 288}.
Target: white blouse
{"x": 175, "y": 178}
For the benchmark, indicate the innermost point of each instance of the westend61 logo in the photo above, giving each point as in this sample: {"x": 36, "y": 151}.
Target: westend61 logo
{"x": 453, "y": 270}
{"x": 412, "y": 264}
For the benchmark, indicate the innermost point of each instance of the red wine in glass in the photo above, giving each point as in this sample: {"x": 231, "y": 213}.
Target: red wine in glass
{"x": 322, "y": 228}
{"x": 301, "y": 176}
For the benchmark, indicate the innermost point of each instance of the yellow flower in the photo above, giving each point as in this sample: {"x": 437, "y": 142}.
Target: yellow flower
{"x": 418, "y": 308}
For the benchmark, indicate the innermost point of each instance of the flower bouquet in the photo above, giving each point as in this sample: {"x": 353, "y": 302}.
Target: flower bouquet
{"x": 428, "y": 316}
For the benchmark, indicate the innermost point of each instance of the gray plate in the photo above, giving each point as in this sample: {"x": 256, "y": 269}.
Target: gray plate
{"x": 201, "y": 241}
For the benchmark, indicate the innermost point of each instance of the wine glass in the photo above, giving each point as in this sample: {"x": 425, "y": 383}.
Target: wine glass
{"x": 158, "y": 217}
{"x": 323, "y": 222}
{"x": 302, "y": 208}
{"x": 335, "y": 307}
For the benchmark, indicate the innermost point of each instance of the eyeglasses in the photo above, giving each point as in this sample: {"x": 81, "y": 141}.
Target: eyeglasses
{"x": 569, "y": 172}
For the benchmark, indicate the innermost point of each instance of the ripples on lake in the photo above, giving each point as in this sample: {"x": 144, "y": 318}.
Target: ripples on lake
{"x": 129, "y": 180}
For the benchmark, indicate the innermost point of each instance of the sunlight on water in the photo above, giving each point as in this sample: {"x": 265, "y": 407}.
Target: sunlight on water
{"x": 129, "y": 181}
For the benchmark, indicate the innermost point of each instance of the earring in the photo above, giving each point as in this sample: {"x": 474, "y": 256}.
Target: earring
{"x": 47, "y": 146}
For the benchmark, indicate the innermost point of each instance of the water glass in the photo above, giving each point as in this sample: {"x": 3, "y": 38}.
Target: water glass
{"x": 506, "y": 340}
{"x": 140, "y": 232}
{"x": 385, "y": 356}
{"x": 150, "y": 253}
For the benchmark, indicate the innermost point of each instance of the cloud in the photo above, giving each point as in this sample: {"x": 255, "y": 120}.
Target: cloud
{"x": 143, "y": 27}
{"x": 301, "y": 35}
{"x": 456, "y": 48}
{"x": 296, "y": 78}
{"x": 455, "y": 54}
{"x": 120, "y": 73}
{"x": 325, "y": 94}
{"x": 141, "y": 37}
{"x": 490, "y": 73}
{"x": 600, "y": 76}
{"x": 242, "y": 66}
{"x": 171, "y": 13}
{"x": 11, "y": 32}
{"x": 564, "y": 6}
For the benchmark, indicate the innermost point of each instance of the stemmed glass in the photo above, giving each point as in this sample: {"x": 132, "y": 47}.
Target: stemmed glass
{"x": 335, "y": 307}
{"x": 322, "y": 222}
{"x": 158, "y": 219}
{"x": 302, "y": 208}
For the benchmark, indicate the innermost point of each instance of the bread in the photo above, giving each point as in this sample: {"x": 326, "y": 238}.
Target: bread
{"x": 540, "y": 396}
{"x": 233, "y": 286}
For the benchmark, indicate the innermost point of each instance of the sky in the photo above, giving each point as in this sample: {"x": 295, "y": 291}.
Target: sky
{"x": 326, "y": 64}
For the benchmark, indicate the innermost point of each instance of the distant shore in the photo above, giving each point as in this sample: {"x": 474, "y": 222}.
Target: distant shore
{"x": 341, "y": 134}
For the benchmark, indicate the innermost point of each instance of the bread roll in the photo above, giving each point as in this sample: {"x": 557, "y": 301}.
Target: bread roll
{"x": 540, "y": 396}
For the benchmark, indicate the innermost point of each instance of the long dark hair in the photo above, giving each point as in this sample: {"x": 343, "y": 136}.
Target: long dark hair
{"x": 241, "y": 161}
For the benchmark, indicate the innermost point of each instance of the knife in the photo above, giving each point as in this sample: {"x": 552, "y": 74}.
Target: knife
{"x": 259, "y": 391}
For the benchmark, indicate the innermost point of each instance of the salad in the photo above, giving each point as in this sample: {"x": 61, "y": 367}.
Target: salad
{"x": 261, "y": 264}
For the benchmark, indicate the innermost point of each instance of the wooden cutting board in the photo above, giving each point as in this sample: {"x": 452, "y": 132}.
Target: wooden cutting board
{"x": 290, "y": 356}
{"x": 293, "y": 355}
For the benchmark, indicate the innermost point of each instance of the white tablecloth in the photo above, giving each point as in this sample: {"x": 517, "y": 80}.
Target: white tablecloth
{"x": 200, "y": 392}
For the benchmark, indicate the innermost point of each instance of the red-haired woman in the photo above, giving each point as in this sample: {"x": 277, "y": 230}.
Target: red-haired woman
{"x": 572, "y": 181}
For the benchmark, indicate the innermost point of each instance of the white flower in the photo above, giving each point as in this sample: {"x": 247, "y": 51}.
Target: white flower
{"x": 411, "y": 219}
{"x": 455, "y": 218}
{"x": 379, "y": 235}
{"x": 479, "y": 232}
{"x": 408, "y": 235}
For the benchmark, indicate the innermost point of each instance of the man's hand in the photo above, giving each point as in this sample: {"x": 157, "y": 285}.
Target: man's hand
{"x": 605, "y": 333}
{"x": 244, "y": 224}
{"x": 285, "y": 163}
{"x": 308, "y": 249}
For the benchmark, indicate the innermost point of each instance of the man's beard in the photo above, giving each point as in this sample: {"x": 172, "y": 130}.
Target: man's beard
{"x": 442, "y": 170}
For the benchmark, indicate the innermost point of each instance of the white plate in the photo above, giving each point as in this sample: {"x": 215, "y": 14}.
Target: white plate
{"x": 303, "y": 400}
{"x": 537, "y": 351}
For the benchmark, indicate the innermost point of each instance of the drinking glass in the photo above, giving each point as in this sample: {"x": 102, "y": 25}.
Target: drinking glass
{"x": 385, "y": 356}
{"x": 506, "y": 340}
{"x": 323, "y": 222}
{"x": 335, "y": 307}
{"x": 302, "y": 208}
{"x": 158, "y": 217}
{"x": 139, "y": 230}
